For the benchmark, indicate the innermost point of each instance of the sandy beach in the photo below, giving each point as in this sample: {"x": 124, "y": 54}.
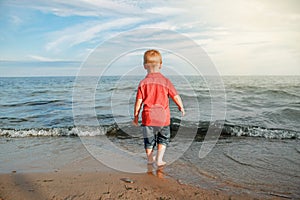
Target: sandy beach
{"x": 99, "y": 185}
{"x": 72, "y": 173}
{"x": 102, "y": 184}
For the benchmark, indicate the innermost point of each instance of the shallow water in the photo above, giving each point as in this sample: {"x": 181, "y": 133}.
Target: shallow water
{"x": 254, "y": 165}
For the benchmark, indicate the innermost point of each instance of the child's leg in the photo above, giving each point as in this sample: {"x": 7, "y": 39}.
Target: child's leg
{"x": 163, "y": 138}
{"x": 160, "y": 154}
{"x": 149, "y": 142}
{"x": 149, "y": 153}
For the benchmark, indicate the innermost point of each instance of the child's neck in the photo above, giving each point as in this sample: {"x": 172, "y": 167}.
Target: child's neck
{"x": 153, "y": 70}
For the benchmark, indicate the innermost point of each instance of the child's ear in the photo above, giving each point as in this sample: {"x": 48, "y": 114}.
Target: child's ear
{"x": 145, "y": 66}
{"x": 160, "y": 65}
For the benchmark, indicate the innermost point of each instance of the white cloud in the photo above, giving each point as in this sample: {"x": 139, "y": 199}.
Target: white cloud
{"x": 241, "y": 36}
{"x": 159, "y": 25}
{"x": 246, "y": 37}
{"x": 41, "y": 58}
{"x": 165, "y": 11}
{"x": 44, "y": 59}
{"x": 16, "y": 20}
{"x": 87, "y": 32}
{"x": 79, "y": 7}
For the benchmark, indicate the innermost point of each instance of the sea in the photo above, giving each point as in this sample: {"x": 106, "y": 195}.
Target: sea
{"x": 256, "y": 148}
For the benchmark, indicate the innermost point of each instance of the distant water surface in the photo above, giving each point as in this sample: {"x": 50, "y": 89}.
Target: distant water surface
{"x": 266, "y": 106}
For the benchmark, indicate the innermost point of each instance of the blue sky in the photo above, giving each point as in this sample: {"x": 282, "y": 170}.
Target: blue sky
{"x": 49, "y": 38}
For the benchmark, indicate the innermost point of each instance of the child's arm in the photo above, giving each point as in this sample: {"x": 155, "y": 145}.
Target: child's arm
{"x": 137, "y": 108}
{"x": 179, "y": 103}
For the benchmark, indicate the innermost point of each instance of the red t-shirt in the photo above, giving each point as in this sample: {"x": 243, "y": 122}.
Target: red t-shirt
{"x": 155, "y": 90}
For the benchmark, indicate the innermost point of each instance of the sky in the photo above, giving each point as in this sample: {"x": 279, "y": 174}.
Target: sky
{"x": 240, "y": 37}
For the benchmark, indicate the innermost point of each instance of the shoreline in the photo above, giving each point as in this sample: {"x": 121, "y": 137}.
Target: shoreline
{"x": 62, "y": 168}
{"x": 102, "y": 185}
{"x": 83, "y": 177}
{"x": 87, "y": 178}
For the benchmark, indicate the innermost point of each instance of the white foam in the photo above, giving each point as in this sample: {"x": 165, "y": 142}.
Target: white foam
{"x": 263, "y": 132}
{"x": 75, "y": 131}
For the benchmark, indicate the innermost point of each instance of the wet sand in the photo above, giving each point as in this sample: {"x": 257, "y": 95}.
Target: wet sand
{"x": 70, "y": 172}
{"x": 100, "y": 185}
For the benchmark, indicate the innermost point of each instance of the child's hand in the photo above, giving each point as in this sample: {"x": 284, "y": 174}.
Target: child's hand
{"x": 135, "y": 122}
{"x": 182, "y": 111}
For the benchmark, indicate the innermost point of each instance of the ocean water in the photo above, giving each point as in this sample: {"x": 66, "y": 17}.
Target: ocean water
{"x": 260, "y": 106}
{"x": 258, "y": 150}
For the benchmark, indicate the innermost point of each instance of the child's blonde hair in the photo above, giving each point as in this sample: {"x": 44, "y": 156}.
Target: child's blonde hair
{"x": 152, "y": 56}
